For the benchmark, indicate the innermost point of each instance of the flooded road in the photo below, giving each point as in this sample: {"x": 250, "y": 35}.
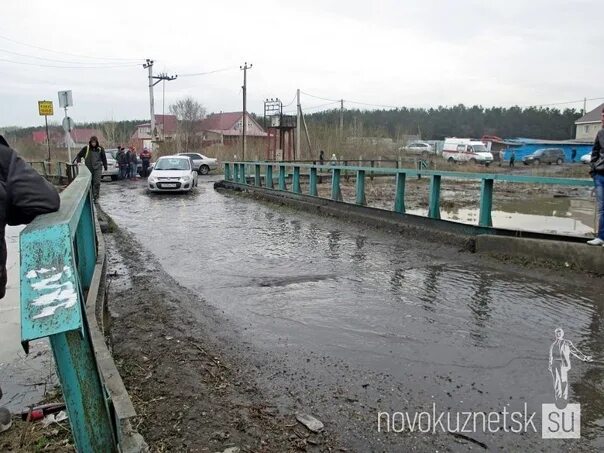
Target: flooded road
{"x": 344, "y": 321}
{"x": 23, "y": 379}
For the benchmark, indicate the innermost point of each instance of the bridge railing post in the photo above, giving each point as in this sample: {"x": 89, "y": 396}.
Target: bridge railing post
{"x": 257, "y": 175}
{"x": 399, "y": 197}
{"x": 336, "y": 192}
{"x": 360, "y": 188}
{"x": 312, "y": 182}
{"x": 227, "y": 171}
{"x": 486, "y": 203}
{"x": 282, "y": 185}
{"x": 268, "y": 177}
{"x": 434, "y": 200}
{"x": 242, "y": 177}
{"x": 296, "y": 180}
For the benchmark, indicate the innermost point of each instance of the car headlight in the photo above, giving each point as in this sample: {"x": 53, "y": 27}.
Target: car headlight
{"x": 151, "y": 178}
{"x": 186, "y": 178}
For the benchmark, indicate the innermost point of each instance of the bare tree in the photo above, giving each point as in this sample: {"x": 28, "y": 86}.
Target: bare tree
{"x": 188, "y": 113}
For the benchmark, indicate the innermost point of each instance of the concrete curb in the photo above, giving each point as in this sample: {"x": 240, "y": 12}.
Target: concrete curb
{"x": 567, "y": 254}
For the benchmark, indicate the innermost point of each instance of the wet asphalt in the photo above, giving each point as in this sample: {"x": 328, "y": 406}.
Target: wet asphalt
{"x": 344, "y": 321}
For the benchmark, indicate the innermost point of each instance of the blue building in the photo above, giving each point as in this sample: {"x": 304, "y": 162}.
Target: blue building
{"x": 525, "y": 146}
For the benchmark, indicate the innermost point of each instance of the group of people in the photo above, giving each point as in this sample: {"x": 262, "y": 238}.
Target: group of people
{"x": 95, "y": 159}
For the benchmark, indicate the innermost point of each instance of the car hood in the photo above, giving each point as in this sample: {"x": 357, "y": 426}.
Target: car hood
{"x": 170, "y": 173}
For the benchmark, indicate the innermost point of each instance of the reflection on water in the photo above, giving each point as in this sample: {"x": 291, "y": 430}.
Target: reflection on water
{"x": 572, "y": 216}
{"x": 436, "y": 325}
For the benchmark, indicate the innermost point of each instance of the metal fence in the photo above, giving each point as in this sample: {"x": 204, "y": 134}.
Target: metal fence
{"x": 57, "y": 172}
{"x": 63, "y": 270}
{"x": 289, "y": 176}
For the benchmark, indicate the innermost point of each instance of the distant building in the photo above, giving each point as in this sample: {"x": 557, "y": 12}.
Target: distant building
{"x": 227, "y": 128}
{"x": 165, "y": 129}
{"x": 525, "y": 146}
{"x": 81, "y": 136}
{"x": 589, "y": 124}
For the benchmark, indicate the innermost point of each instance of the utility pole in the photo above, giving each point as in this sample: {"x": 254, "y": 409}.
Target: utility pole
{"x": 584, "y": 106}
{"x": 149, "y": 65}
{"x": 298, "y": 119}
{"x": 162, "y": 77}
{"x": 244, "y": 68}
{"x": 341, "y": 119}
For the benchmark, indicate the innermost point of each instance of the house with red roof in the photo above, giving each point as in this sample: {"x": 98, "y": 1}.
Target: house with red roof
{"x": 79, "y": 137}
{"x": 226, "y": 128}
{"x": 165, "y": 129}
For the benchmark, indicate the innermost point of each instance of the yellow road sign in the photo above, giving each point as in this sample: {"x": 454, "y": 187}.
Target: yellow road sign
{"x": 45, "y": 108}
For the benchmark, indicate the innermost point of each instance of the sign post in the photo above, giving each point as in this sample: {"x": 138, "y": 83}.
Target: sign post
{"x": 45, "y": 109}
{"x": 66, "y": 100}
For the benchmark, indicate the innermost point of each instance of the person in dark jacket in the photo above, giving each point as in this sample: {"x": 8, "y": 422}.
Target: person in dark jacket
{"x": 146, "y": 160}
{"x": 24, "y": 194}
{"x": 121, "y": 162}
{"x": 95, "y": 159}
{"x": 596, "y": 170}
{"x": 133, "y": 163}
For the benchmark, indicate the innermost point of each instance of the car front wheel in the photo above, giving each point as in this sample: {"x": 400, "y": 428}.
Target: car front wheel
{"x": 559, "y": 161}
{"x": 204, "y": 170}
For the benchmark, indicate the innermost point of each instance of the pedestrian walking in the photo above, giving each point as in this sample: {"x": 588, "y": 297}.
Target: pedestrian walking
{"x": 146, "y": 160}
{"x": 573, "y": 155}
{"x": 95, "y": 160}
{"x": 122, "y": 162}
{"x": 596, "y": 171}
{"x": 501, "y": 155}
{"x": 321, "y": 157}
{"x": 512, "y": 158}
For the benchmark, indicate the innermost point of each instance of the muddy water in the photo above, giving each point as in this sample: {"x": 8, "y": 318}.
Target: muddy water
{"x": 23, "y": 379}
{"x": 343, "y": 321}
{"x": 564, "y": 215}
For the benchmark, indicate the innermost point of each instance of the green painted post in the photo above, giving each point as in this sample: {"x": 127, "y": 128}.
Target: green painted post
{"x": 257, "y": 175}
{"x": 268, "y": 177}
{"x": 371, "y": 174}
{"x": 486, "y": 203}
{"x": 227, "y": 171}
{"x": 399, "y": 197}
{"x": 312, "y": 186}
{"x": 282, "y": 185}
{"x": 336, "y": 193}
{"x": 235, "y": 172}
{"x": 360, "y": 186}
{"x": 85, "y": 244}
{"x": 434, "y": 202}
{"x": 242, "y": 178}
{"x": 296, "y": 180}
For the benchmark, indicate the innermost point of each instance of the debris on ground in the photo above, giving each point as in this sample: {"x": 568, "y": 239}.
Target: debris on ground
{"x": 310, "y": 422}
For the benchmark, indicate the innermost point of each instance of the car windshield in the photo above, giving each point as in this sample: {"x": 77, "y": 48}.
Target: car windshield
{"x": 172, "y": 164}
{"x": 479, "y": 148}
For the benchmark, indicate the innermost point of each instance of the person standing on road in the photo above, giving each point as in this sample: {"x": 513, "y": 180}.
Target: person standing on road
{"x": 133, "y": 163}
{"x": 573, "y": 155}
{"x": 512, "y": 158}
{"x": 121, "y": 161}
{"x": 95, "y": 159}
{"x": 146, "y": 158}
{"x": 596, "y": 170}
{"x": 321, "y": 157}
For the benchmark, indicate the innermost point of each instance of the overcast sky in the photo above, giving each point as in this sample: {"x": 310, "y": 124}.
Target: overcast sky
{"x": 392, "y": 52}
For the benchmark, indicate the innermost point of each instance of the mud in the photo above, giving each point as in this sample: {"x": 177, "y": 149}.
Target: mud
{"x": 333, "y": 319}
{"x": 190, "y": 394}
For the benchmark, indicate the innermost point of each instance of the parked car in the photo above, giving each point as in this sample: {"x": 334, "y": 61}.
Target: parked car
{"x": 545, "y": 156}
{"x": 201, "y": 163}
{"x": 420, "y": 148}
{"x": 172, "y": 174}
{"x": 113, "y": 168}
{"x": 586, "y": 158}
{"x": 466, "y": 150}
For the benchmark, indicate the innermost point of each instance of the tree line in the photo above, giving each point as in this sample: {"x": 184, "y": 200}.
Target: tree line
{"x": 456, "y": 121}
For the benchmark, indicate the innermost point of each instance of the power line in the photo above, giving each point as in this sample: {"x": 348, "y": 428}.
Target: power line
{"x": 67, "y": 53}
{"x": 319, "y": 97}
{"x": 100, "y": 65}
{"x": 208, "y": 72}
{"x": 68, "y": 67}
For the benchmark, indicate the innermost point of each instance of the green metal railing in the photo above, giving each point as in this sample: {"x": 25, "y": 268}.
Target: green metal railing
{"x": 56, "y": 171}
{"x": 63, "y": 270}
{"x": 237, "y": 171}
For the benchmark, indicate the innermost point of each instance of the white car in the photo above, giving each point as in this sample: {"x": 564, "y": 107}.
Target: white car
{"x": 586, "y": 158}
{"x": 113, "y": 168}
{"x": 466, "y": 150}
{"x": 422, "y": 148}
{"x": 202, "y": 163}
{"x": 172, "y": 174}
